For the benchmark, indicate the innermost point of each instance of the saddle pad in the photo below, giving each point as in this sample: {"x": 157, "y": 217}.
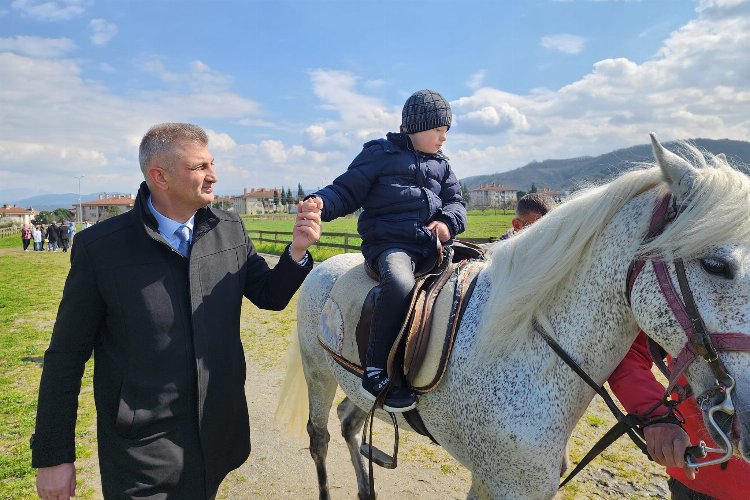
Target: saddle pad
{"x": 341, "y": 312}
{"x": 340, "y": 315}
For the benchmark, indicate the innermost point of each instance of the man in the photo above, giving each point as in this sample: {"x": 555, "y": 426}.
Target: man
{"x": 156, "y": 294}
{"x": 529, "y": 209}
{"x": 638, "y": 390}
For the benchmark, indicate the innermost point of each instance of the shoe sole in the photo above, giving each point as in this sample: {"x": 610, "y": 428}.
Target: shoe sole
{"x": 364, "y": 392}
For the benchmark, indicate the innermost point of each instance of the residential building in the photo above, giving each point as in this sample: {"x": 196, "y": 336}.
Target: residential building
{"x": 106, "y": 206}
{"x": 257, "y": 201}
{"x": 492, "y": 196}
{"x": 16, "y": 215}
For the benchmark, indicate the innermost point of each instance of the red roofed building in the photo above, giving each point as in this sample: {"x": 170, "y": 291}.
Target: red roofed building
{"x": 257, "y": 201}
{"x": 105, "y": 207}
{"x": 17, "y": 215}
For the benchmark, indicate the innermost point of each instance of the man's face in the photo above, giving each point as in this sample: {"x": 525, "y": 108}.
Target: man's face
{"x": 429, "y": 141}
{"x": 190, "y": 176}
{"x": 524, "y": 220}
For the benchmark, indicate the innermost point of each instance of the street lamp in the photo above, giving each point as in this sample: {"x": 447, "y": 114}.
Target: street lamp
{"x": 80, "y": 209}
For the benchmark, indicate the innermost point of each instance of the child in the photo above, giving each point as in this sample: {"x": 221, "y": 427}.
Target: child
{"x": 409, "y": 196}
{"x": 529, "y": 209}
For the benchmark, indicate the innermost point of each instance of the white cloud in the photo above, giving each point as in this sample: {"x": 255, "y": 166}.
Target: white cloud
{"x": 476, "y": 80}
{"x": 50, "y": 10}
{"x": 102, "y": 31}
{"x": 565, "y": 43}
{"x": 34, "y": 46}
{"x": 696, "y": 86}
{"x": 358, "y": 116}
{"x": 198, "y": 78}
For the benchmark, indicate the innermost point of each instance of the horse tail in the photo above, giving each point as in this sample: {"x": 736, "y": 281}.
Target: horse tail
{"x": 292, "y": 410}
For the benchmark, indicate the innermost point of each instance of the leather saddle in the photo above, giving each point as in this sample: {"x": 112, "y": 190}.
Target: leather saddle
{"x": 410, "y": 348}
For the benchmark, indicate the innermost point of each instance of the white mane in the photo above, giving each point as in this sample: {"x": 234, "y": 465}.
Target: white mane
{"x": 543, "y": 258}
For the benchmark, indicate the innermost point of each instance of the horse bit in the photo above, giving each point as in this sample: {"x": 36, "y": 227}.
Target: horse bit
{"x": 699, "y": 341}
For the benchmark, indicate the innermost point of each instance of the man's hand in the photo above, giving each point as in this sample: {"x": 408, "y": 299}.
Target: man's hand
{"x": 306, "y": 227}
{"x": 57, "y": 482}
{"x": 667, "y": 444}
{"x": 441, "y": 228}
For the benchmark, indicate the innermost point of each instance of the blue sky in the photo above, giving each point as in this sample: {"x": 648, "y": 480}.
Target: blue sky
{"x": 289, "y": 90}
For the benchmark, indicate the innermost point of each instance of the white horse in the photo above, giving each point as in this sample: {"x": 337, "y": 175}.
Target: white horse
{"x": 507, "y": 404}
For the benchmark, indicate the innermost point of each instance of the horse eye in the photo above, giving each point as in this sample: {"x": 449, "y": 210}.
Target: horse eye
{"x": 717, "y": 267}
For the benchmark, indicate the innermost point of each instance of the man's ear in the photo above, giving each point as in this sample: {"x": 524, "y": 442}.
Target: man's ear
{"x": 517, "y": 224}
{"x": 156, "y": 178}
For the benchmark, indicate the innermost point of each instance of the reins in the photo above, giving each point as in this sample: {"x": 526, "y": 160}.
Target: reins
{"x": 699, "y": 343}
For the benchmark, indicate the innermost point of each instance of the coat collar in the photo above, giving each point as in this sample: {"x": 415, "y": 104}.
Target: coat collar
{"x": 205, "y": 218}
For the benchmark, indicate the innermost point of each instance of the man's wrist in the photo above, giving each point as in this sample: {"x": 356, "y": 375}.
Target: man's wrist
{"x": 300, "y": 257}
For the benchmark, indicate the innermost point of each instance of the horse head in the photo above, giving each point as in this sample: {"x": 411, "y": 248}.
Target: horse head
{"x": 694, "y": 298}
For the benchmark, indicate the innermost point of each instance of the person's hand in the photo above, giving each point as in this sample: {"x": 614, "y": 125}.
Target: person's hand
{"x": 306, "y": 227}
{"x": 667, "y": 444}
{"x": 57, "y": 482}
{"x": 441, "y": 228}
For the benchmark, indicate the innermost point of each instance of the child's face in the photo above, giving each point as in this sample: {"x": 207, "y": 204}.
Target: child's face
{"x": 429, "y": 141}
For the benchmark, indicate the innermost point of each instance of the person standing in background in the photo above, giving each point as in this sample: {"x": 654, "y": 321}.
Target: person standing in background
{"x": 25, "y": 237}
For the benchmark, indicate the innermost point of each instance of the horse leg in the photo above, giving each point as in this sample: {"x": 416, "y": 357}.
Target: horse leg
{"x": 352, "y": 418}
{"x": 321, "y": 391}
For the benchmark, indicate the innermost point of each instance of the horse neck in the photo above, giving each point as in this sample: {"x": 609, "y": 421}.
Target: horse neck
{"x": 592, "y": 318}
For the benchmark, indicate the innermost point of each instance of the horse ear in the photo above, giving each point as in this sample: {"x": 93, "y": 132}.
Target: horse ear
{"x": 678, "y": 172}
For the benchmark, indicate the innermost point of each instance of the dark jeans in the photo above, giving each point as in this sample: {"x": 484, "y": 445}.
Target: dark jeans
{"x": 25, "y": 244}
{"x": 396, "y": 269}
{"x": 681, "y": 492}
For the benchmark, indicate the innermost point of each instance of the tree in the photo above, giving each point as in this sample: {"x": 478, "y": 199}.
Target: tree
{"x": 62, "y": 214}
{"x": 110, "y": 211}
{"x": 275, "y": 197}
{"x": 284, "y": 201}
{"x": 533, "y": 188}
{"x": 43, "y": 217}
{"x": 289, "y": 199}
{"x": 465, "y": 194}
{"x": 520, "y": 194}
{"x": 300, "y": 192}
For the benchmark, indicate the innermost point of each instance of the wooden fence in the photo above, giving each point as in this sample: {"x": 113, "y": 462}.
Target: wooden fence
{"x": 285, "y": 237}
{"x": 10, "y": 231}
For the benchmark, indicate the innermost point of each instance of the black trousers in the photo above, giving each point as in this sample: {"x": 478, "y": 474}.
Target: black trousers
{"x": 396, "y": 268}
{"x": 681, "y": 492}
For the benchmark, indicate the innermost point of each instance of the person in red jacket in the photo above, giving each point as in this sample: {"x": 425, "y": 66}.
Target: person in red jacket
{"x": 634, "y": 384}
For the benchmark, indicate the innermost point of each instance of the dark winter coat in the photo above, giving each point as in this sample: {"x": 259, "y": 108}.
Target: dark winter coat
{"x": 401, "y": 191}
{"x": 169, "y": 375}
{"x": 52, "y": 234}
{"x": 62, "y": 233}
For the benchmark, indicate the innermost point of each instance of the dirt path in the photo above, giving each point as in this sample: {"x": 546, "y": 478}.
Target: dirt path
{"x": 280, "y": 466}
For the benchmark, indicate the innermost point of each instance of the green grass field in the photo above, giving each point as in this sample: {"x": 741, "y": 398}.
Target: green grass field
{"x": 30, "y": 290}
{"x": 481, "y": 224}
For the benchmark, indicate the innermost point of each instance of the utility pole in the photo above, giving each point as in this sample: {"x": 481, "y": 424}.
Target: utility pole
{"x": 80, "y": 209}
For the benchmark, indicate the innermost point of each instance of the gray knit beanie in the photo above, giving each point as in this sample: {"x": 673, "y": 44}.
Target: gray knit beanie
{"x": 425, "y": 110}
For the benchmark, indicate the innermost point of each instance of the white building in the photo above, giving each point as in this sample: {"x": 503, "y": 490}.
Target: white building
{"x": 17, "y": 215}
{"x": 492, "y": 196}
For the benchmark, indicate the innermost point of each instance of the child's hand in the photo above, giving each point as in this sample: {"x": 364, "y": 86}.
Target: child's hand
{"x": 441, "y": 228}
{"x": 306, "y": 227}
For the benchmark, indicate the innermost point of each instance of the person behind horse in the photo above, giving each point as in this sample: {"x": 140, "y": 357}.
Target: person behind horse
{"x": 530, "y": 208}
{"x": 409, "y": 196}
{"x": 635, "y": 386}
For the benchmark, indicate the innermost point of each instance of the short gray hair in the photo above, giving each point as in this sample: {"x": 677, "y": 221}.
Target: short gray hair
{"x": 161, "y": 138}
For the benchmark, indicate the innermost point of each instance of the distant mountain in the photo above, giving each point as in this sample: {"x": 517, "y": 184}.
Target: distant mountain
{"x": 53, "y": 201}
{"x": 573, "y": 172}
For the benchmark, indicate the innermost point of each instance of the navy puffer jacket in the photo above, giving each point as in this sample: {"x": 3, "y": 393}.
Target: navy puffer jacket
{"x": 401, "y": 191}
